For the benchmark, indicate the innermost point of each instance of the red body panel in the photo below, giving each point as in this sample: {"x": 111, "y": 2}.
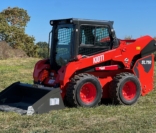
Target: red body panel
{"x": 144, "y": 70}
{"x": 123, "y": 54}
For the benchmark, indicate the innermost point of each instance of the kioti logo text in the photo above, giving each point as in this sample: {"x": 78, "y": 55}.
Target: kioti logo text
{"x": 98, "y": 59}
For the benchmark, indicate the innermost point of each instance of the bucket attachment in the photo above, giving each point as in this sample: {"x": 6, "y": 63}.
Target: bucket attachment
{"x": 28, "y": 99}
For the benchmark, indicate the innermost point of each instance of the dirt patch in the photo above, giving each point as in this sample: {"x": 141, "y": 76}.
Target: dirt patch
{"x": 8, "y": 52}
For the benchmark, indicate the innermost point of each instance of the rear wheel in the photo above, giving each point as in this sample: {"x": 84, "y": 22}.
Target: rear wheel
{"x": 125, "y": 89}
{"x": 84, "y": 90}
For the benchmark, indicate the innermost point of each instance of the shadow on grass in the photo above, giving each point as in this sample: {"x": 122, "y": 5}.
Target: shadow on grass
{"x": 106, "y": 102}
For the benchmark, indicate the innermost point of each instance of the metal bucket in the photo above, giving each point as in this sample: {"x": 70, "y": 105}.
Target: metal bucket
{"x": 28, "y": 99}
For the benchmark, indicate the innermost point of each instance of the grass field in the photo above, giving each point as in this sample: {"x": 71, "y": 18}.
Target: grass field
{"x": 139, "y": 118}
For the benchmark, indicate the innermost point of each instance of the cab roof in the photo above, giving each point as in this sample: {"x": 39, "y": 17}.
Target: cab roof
{"x": 80, "y": 21}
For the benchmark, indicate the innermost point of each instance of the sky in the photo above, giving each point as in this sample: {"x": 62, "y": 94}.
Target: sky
{"x": 133, "y": 18}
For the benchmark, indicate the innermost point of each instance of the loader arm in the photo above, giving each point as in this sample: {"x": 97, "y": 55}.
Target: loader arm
{"x": 122, "y": 54}
{"x": 140, "y": 47}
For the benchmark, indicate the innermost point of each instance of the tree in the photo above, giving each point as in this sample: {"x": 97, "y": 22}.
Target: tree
{"x": 43, "y": 49}
{"x": 128, "y": 37}
{"x": 17, "y": 17}
{"x": 12, "y": 30}
{"x": 4, "y": 28}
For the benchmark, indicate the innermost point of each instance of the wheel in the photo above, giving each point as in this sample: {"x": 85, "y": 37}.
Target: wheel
{"x": 84, "y": 90}
{"x": 125, "y": 89}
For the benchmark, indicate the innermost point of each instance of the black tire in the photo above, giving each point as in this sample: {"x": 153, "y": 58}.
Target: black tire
{"x": 76, "y": 91}
{"x": 125, "y": 89}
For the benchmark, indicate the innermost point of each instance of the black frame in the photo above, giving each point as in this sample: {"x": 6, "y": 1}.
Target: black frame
{"x": 76, "y": 43}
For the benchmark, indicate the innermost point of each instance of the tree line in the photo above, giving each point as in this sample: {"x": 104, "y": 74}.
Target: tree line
{"x": 13, "y": 22}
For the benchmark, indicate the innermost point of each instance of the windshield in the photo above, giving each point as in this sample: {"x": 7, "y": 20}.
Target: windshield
{"x": 63, "y": 36}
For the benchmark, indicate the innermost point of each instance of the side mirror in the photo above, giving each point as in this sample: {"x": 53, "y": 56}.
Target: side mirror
{"x": 115, "y": 40}
{"x": 113, "y": 33}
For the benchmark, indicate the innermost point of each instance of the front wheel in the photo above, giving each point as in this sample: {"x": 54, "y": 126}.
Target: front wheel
{"x": 84, "y": 90}
{"x": 125, "y": 89}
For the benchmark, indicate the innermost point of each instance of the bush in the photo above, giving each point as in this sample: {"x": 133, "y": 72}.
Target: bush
{"x": 43, "y": 49}
{"x": 8, "y": 52}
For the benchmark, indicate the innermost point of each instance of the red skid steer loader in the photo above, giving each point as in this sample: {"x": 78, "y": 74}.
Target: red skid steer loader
{"x": 87, "y": 63}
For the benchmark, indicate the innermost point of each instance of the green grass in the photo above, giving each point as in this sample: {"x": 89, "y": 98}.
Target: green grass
{"x": 139, "y": 118}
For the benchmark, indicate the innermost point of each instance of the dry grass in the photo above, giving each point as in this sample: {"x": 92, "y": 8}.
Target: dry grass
{"x": 139, "y": 118}
{"x": 7, "y": 51}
